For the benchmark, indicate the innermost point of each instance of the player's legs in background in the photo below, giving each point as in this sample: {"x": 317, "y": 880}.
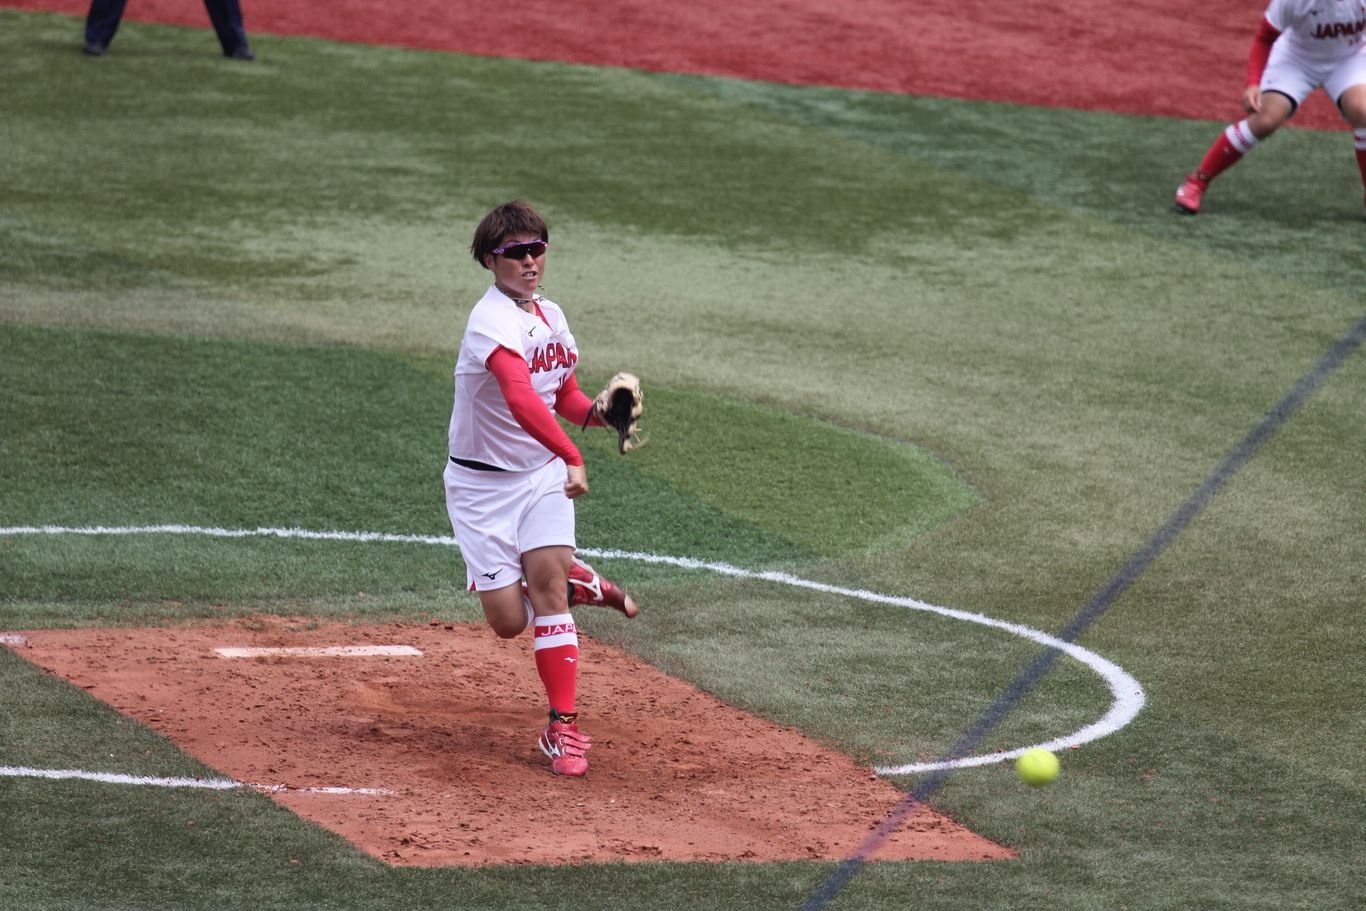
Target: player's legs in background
{"x": 1286, "y": 81}
{"x": 1353, "y": 107}
{"x": 226, "y": 16}
{"x": 1232, "y": 144}
{"x": 101, "y": 22}
{"x": 1277, "y": 108}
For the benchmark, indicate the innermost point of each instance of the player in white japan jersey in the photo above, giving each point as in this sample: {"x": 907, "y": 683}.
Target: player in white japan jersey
{"x": 482, "y": 427}
{"x": 1302, "y": 45}
{"x": 512, "y": 472}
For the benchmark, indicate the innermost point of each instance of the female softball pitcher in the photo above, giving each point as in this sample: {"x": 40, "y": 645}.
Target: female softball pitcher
{"x": 1302, "y": 45}
{"x": 513, "y": 472}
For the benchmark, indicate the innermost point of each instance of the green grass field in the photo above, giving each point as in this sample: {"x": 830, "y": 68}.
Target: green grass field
{"x": 953, "y": 351}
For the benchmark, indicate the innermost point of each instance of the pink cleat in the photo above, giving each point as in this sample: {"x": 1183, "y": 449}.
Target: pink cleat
{"x": 565, "y": 746}
{"x": 1190, "y": 193}
{"x": 587, "y": 587}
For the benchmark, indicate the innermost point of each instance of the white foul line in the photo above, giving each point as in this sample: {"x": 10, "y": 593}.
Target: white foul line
{"x": 319, "y": 651}
{"x": 211, "y": 784}
{"x": 1128, "y": 693}
{"x": 227, "y": 533}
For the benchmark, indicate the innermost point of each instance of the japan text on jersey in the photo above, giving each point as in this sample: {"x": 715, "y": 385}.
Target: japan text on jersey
{"x": 1339, "y": 24}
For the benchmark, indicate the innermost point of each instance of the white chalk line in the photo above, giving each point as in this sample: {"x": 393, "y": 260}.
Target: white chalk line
{"x": 362, "y": 536}
{"x": 209, "y": 784}
{"x": 1127, "y": 692}
{"x": 319, "y": 651}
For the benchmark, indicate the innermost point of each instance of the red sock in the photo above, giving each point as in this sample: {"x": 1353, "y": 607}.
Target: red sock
{"x": 557, "y": 660}
{"x": 1360, "y": 137}
{"x": 1232, "y": 145}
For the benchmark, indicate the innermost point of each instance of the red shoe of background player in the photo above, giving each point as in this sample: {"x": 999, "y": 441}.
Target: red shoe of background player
{"x": 1190, "y": 194}
{"x": 565, "y": 745}
{"x": 587, "y": 587}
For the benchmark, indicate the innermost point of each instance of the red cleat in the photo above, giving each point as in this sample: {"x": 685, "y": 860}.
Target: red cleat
{"x": 587, "y": 587}
{"x": 1190, "y": 193}
{"x": 565, "y": 745}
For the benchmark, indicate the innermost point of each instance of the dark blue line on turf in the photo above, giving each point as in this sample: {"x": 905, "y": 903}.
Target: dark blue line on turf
{"x": 1011, "y": 696}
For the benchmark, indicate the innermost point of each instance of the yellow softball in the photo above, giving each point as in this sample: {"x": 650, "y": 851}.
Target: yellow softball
{"x": 1037, "y": 767}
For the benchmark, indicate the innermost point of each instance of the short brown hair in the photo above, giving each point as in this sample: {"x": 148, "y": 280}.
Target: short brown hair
{"x": 516, "y": 217}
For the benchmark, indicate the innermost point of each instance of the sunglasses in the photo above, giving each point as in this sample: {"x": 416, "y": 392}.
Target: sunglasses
{"x": 535, "y": 249}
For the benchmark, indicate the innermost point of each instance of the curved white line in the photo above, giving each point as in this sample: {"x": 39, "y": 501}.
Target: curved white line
{"x": 1128, "y": 693}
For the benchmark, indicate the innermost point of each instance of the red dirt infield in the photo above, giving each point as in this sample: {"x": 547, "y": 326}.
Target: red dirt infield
{"x": 1162, "y": 57}
{"x": 676, "y": 774}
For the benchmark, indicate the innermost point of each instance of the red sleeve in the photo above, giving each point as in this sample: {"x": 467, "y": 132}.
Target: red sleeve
{"x": 573, "y": 405}
{"x": 514, "y": 379}
{"x": 1260, "y": 51}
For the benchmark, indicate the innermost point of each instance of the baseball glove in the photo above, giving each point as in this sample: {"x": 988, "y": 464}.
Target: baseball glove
{"x": 618, "y": 406}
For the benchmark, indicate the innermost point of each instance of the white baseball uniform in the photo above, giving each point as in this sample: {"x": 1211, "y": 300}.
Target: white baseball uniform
{"x": 1321, "y": 44}
{"x": 516, "y": 502}
{"x": 482, "y": 427}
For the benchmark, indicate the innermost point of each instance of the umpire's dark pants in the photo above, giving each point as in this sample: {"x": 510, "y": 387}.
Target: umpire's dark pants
{"x": 226, "y": 15}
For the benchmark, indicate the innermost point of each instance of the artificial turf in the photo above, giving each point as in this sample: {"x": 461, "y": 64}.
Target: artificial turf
{"x": 231, "y": 296}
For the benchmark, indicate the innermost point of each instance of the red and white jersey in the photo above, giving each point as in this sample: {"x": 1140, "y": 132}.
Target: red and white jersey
{"x": 1321, "y": 31}
{"x": 482, "y": 427}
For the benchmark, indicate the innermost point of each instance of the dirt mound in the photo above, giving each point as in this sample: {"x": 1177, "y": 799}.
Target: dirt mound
{"x": 449, "y": 737}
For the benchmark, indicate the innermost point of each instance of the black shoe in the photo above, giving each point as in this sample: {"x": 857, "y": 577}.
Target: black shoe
{"x": 94, "y": 49}
{"x": 242, "y": 52}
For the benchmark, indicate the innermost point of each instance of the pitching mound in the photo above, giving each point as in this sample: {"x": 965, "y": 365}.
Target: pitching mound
{"x": 449, "y": 737}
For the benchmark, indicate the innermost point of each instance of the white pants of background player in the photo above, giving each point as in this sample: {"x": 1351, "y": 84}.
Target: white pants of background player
{"x": 1295, "y": 76}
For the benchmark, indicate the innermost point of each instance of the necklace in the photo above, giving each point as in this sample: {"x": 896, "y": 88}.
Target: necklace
{"x": 519, "y": 301}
